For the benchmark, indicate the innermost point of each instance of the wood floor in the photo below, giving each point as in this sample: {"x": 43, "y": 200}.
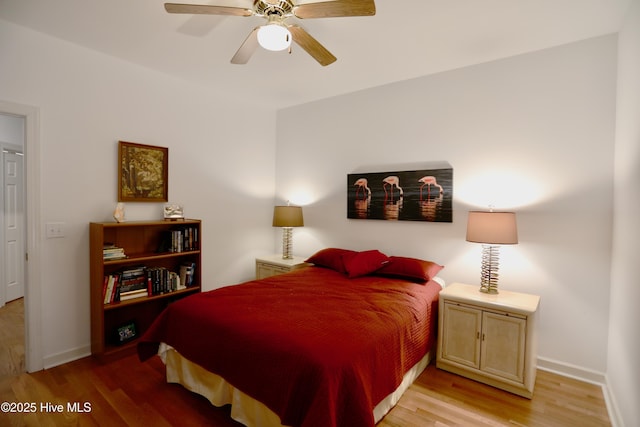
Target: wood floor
{"x": 129, "y": 393}
{"x": 12, "y": 338}
{"x": 438, "y": 398}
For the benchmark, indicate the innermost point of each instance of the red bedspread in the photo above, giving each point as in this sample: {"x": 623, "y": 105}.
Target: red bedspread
{"x": 317, "y": 348}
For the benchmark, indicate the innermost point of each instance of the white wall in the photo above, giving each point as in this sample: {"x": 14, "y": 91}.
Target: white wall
{"x": 624, "y": 340}
{"x": 219, "y": 168}
{"x": 533, "y": 133}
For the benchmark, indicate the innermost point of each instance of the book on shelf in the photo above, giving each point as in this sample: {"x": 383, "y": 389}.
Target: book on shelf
{"x": 187, "y": 272}
{"x": 161, "y": 281}
{"x": 112, "y": 252}
{"x": 134, "y": 271}
{"x": 174, "y": 279}
{"x": 116, "y": 288}
{"x": 133, "y": 294}
{"x": 133, "y": 279}
{"x": 110, "y": 289}
{"x": 105, "y": 287}
{"x": 179, "y": 239}
{"x": 140, "y": 281}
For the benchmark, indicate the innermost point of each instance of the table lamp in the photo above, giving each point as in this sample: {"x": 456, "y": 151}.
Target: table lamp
{"x": 491, "y": 229}
{"x": 287, "y": 217}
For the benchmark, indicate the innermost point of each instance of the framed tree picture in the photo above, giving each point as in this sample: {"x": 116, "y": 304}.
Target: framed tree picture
{"x": 143, "y": 173}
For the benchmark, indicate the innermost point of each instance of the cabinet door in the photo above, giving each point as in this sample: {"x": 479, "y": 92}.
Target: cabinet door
{"x": 461, "y": 337}
{"x": 503, "y": 345}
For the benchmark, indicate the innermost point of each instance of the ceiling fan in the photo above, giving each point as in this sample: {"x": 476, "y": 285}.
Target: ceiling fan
{"x": 276, "y": 34}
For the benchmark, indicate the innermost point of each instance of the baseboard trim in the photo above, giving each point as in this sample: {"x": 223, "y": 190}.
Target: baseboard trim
{"x": 612, "y": 406}
{"x": 571, "y": 371}
{"x": 66, "y": 356}
{"x": 586, "y": 375}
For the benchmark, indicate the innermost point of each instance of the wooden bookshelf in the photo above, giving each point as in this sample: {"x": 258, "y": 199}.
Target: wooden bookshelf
{"x": 144, "y": 244}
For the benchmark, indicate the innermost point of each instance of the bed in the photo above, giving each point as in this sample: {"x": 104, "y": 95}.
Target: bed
{"x": 334, "y": 344}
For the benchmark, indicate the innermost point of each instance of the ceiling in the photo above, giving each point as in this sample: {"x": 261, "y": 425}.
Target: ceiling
{"x": 405, "y": 39}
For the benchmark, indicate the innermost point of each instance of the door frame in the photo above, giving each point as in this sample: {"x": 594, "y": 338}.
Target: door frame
{"x": 34, "y": 360}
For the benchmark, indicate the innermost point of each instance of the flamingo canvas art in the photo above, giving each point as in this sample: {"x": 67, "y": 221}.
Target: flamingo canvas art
{"x": 414, "y": 195}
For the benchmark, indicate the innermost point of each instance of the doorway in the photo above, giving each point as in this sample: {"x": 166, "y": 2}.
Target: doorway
{"x": 30, "y": 251}
{"x": 12, "y": 244}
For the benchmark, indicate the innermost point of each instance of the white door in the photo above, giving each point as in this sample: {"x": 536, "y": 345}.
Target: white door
{"x": 14, "y": 253}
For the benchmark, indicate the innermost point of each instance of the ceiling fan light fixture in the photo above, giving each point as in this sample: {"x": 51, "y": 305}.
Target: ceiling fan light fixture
{"x": 274, "y": 36}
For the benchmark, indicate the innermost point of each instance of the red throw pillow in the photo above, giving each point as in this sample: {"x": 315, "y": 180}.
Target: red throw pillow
{"x": 365, "y": 262}
{"x": 330, "y": 258}
{"x": 410, "y": 268}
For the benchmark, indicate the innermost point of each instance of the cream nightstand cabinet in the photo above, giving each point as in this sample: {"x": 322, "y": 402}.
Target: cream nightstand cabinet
{"x": 489, "y": 338}
{"x": 275, "y": 264}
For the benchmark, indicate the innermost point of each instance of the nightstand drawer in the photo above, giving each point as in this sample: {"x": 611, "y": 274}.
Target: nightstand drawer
{"x": 275, "y": 264}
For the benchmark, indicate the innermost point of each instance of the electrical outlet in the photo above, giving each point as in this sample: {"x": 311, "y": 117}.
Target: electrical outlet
{"x": 55, "y": 230}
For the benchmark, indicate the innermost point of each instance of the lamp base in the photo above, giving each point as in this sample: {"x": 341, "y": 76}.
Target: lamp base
{"x": 489, "y": 290}
{"x": 489, "y": 269}
{"x": 286, "y": 243}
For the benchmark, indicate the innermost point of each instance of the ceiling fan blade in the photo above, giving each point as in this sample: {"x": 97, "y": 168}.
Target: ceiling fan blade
{"x": 245, "y": 51}
{"x": 337, "y": 8}
{"x": 311, "y": 45}
{"x": 203, "y": 9}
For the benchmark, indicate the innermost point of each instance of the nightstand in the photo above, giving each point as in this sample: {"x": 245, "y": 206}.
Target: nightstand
{"x": 275, "y": 264}
{"x": 489, "y": 338}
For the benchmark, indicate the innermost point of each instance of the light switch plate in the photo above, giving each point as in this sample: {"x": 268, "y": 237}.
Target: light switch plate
{"x": 55, "y": 230}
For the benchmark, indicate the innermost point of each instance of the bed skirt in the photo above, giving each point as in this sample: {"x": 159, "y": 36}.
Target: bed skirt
{"x": 244, "y": 408}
